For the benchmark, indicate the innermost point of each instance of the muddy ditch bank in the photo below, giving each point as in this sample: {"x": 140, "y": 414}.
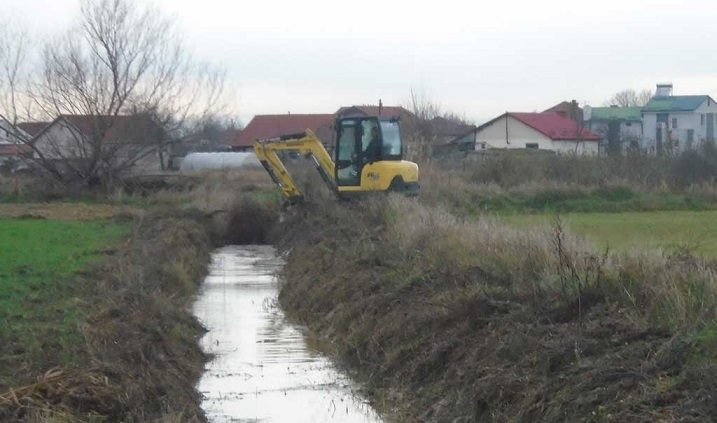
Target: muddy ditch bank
{"x": 438, "y": 335}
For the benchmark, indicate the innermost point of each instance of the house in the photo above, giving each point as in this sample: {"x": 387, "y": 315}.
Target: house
{"x": 677, "y": 122}
{"x": 12, "y": 134}
{"x": 370, "y": 110}
{"x": 32, "y": 128}
{"x": 452, "y": 135}
{"x": 136, "y": 142}
{"x": 568, "y": 109}
{"x": 270, "y": 126}
{"x": 621, "y": 125}
{"x": 541, "y": 131}
{"x": 12, "y": 144}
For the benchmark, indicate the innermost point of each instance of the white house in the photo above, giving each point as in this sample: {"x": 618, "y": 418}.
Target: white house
{"x": 541, "y": 131}
{"x": 678, "y": 122}
{"x": 135, "y": 140}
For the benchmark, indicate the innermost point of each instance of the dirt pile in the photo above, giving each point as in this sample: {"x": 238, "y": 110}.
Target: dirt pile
{"x": 453, "y": 320}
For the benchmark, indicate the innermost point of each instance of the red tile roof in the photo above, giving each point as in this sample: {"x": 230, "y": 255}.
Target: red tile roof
{"x": 555, "y": 127}
{"x": 373, "y": 110}
{"x": 269, "y": 126}
{"x": 14, "y": 149}
{"x": 137, "y": 129}
{"x": 32, "y": 128}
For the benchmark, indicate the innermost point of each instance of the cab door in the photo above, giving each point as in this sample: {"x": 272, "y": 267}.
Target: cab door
{"x": 348, "y": 145}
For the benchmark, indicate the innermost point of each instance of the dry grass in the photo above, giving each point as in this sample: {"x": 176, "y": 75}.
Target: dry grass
{"x": 140, "y": 359}
{"x": 449, "y": 319}
{"x": 65, "y": 211}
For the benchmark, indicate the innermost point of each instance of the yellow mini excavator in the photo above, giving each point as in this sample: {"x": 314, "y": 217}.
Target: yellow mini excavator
{"x": 368, "y": 158}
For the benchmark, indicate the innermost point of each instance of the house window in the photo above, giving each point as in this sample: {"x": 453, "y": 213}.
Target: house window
{"x": 674, "y": 123}
{"x": 628, "y": 124}
{"x": 532, "y": 145}
{"x": 690, "y": 135}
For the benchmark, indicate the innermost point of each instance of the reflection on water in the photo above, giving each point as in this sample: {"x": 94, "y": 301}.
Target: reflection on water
{"x": 262, "y": 370}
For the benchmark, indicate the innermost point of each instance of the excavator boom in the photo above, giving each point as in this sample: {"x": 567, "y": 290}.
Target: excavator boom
{"x": 306, "y": 144}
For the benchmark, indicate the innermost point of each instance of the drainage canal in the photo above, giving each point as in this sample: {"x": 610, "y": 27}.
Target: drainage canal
{"x": 262, "y": 369}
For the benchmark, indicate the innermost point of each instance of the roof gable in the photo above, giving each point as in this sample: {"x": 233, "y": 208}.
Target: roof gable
{"x": 32, "y": 128}
{"x": 444, "y": 127}
{"x": 270, "y": 126}
{"x": 676, "y": 103}
{"x": 555, "y": 127}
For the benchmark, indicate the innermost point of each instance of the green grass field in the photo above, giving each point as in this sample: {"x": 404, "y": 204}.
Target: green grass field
{"x": 39, "y": 305}
{"x": 621, "y": 231}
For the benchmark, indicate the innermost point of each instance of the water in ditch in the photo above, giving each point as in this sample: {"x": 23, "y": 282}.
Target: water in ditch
{"x": 262, "y": 370}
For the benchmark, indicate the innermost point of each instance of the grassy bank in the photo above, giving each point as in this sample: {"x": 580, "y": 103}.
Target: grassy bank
{"x": 39, "y": 304}
{"x": 671, "y": 231}
{"x": 448, "y": 319}
{"x": 96, "y": 296}
{"x": 97, "y": 334}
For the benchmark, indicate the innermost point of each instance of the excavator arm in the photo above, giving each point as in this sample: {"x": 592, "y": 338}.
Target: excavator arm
{"x": 306, "y": 144}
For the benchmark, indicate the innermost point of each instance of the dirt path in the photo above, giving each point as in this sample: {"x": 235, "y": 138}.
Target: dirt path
{"x": 65, "y": 211}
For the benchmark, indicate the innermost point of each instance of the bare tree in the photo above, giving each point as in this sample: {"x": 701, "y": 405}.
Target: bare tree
{"x": 630, "y": 98}
{"x": 14, "y": 41}
{"x": 126, "y": 84}
{"x": 421, "y": 129}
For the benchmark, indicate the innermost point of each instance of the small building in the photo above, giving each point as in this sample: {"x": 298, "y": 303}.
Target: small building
{"x": 677, "y": 122}
{"x": 619, "y": 125}
{"x": 539, "y": 131}
{"x": 270, "y": 126}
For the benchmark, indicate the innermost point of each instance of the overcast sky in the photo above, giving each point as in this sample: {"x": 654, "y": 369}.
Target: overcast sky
{"x": 475, "y": 58}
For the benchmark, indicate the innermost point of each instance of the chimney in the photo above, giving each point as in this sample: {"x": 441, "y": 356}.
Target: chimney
{"x": 663, "y": 90}
{"x": 380, "y": 106}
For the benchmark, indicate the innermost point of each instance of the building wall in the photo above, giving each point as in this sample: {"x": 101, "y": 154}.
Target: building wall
{"x": 59, "y": 142}
{"x": 8, "y": 133}
{"x": 686, "y": 121}
{"x": 521, "y": 136}
{"x": 628, "y": 130}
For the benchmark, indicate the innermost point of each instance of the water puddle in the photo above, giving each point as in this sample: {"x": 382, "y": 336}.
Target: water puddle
{"x": 262, "y": 370}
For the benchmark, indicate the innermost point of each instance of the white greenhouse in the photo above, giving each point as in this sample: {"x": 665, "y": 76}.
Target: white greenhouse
{"x": 213, "y": 161}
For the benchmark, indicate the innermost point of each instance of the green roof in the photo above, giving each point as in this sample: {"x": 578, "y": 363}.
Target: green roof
{"x": 677, "y": 103}
{"x": 616, "y": 113}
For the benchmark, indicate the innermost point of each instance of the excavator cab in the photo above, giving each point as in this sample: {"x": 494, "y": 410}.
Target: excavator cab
{"x": 368, "y": 157}
{"x": 364, "y": 141}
